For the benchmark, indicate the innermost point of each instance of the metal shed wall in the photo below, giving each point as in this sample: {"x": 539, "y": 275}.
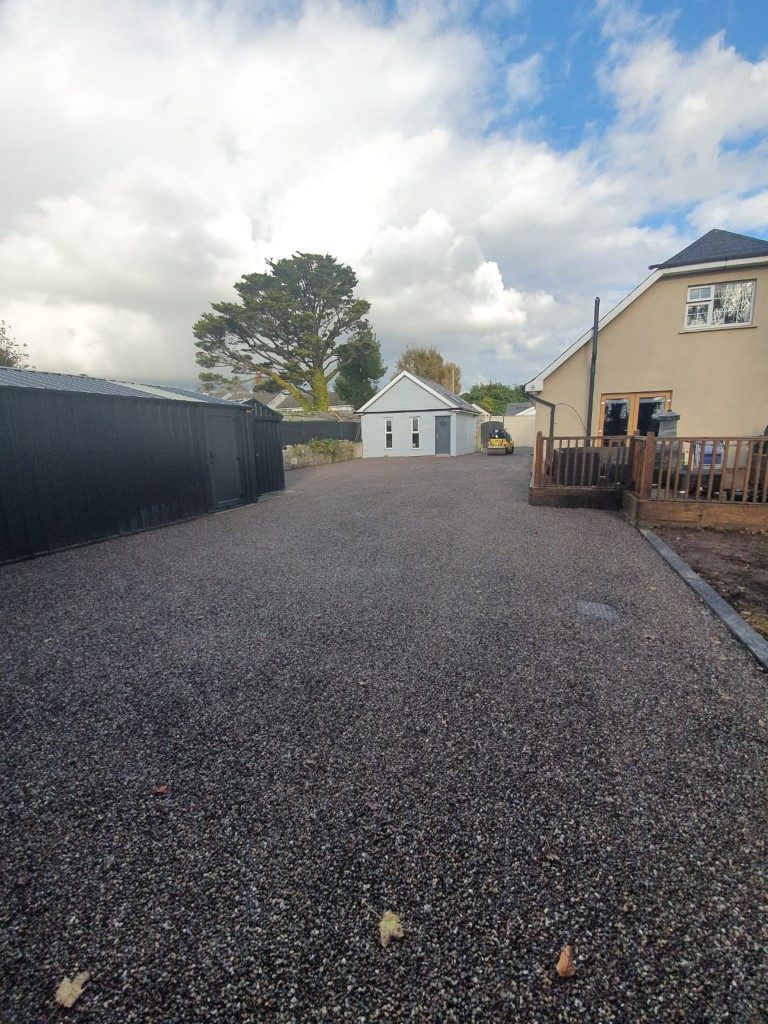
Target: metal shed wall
{"x": 79, "y": 467}
{"x": 268, "y": 448}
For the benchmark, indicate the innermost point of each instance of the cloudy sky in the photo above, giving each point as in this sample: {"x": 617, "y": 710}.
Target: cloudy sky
{"x": 487, "y": 168}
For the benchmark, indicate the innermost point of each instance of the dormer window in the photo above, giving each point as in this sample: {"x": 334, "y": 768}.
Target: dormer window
{"x": 728, "y": 304}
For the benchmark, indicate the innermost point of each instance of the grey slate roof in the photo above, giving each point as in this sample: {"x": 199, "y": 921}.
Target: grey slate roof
{"x": 716, "y": 245}
{"x": 42, "y": 380}
{"x": 265, "y": 397}
{"x": 453, "y": 399}
{"x": 289, "y": 402}
{"x": 513, "y": 408}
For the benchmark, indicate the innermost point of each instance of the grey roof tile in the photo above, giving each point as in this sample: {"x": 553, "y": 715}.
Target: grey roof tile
{"x": 513, "y": 408}
{"x": 714, "y": 246}
{"x": 453, "y": 399}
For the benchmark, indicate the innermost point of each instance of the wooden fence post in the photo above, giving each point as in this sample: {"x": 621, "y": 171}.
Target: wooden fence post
{"x": 649, "y": 456}
{"x": 538, "y": 453}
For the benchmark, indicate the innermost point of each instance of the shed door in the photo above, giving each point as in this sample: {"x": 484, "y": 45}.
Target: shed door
{"x": 442, "y": 435}
{"x": 225, "y": 465}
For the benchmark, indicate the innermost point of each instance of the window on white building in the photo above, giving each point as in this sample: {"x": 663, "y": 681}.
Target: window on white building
{"x": 414, "y": 431}
{"x": 387, "y": 433}
{"x": 720, "y": 305}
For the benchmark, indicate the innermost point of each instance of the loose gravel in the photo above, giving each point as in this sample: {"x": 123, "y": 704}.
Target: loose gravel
{"x": 377, "y": 692}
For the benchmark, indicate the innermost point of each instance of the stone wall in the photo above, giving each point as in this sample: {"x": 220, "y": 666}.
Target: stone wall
{"x": 298, "y": 456}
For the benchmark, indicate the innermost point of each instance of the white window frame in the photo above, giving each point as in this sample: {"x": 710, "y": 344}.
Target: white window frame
{"x": 415, "y": 432}
{"x": 705, "y": 296}
{"x": 388, "y": 434}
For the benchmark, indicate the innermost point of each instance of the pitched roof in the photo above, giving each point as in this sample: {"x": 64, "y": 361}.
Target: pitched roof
{"x": 451, "y": 400}
{"x": 716, "y": 246}
{"x": 514, "y": 408}
{"x": 713, "y": 247}
{"x": 445, "y": 393}
{"x": 41, "y": 380}
{"x": 289, "y": 402}
{"x": 265, "y": 397}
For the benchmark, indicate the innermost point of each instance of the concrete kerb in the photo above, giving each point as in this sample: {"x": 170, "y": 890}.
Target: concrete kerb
{"x": 756, "y": 644}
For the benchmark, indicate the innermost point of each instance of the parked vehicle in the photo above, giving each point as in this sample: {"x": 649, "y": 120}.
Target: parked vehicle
{"x": 499, "y": 442}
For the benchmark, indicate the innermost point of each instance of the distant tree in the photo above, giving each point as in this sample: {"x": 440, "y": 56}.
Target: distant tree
{"x": 495, "y": 397}
{"x": 296, "y": 324}
{"x": 361, "y": 369}
{"x": 428, "y": 362}
{"x": 12, "y": 352}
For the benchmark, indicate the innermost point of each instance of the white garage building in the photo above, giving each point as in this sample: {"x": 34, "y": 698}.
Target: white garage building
{"x": 415, "y": 416}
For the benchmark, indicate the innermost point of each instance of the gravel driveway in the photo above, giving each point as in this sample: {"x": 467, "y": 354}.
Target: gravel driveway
{"x": 377, "y": 692}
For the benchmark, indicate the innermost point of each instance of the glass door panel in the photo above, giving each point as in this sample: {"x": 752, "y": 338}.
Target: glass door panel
{"x": 615, "y": 417}
{"x": 647, "y": 411}
{"x": 622, "y": 415}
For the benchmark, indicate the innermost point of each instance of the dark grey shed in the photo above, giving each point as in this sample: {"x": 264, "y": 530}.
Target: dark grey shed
{"x": 83, "y": 459}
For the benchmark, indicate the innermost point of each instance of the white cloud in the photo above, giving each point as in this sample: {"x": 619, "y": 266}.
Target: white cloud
{"x": 524, "y": 79}
{"x": 156, "y": 151}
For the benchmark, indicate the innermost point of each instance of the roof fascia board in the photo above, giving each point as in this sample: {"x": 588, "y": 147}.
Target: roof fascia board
{"x": 689, "y": 268}
{"x": 399, "y": 377}
{"x": 696, "y": 268}
{"x": 611, "y": 315}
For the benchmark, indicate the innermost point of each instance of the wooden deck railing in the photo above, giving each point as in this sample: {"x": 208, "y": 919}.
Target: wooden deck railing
{"x": 701, "y": 469}
{"x": 581, "y": 462}
{"x": 689, "y": 469}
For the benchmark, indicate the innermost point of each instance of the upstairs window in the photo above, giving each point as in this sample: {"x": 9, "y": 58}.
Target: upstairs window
{"x": 414, "y": 431}
{"x": 720, "y": 305}
{"x": 387, "y": 433}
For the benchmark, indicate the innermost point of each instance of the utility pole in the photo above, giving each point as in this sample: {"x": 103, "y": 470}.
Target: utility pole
{"x": 592, "y": 368}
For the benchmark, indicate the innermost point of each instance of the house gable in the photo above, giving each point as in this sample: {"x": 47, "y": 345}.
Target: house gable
{"x": 714, "y": 252}
{"x": 717, "y": 376}
{"x": 406, "y": 393}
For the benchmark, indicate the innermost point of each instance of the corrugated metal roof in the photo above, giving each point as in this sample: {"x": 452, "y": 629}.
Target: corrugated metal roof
{"x": 11, "y": 377}
{"x": 40, "y": 379}
{"x": 172, "y": 391}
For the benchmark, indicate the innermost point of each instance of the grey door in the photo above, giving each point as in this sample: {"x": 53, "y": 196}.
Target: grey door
{"x": 442, "y": 435}
{"x": 225, "y": 465}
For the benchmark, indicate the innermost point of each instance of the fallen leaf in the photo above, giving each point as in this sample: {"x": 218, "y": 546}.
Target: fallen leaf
{"x": 69, "y": 992}
{"x": 565, "y": 967}
{"x": 389, "y": 928}
{"x": 159, "y": 790}
{"x": 551, "y": 856}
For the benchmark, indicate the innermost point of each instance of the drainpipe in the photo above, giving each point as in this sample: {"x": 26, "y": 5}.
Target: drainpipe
{"x": 592, "y": 367}
{"x": 550, "y": 406}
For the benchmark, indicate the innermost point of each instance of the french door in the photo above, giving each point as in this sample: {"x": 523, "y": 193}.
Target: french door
{"x": 622, "y": 415}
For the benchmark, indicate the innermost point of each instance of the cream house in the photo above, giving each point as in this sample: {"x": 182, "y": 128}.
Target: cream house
{"x": 692, "y": 337}
{"x": 520, "y": 422}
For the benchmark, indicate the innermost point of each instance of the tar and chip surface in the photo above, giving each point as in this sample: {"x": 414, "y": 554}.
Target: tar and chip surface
{"x": 378, "y": 692}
